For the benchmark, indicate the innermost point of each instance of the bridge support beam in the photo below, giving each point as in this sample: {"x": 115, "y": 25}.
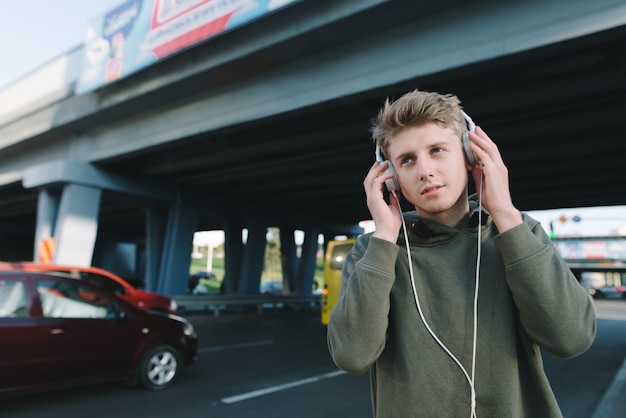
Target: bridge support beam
{"x": 298, "y": 270}
{"x": 156, "y": 218}
{"x": 47, "y": 211}
{"x": 233, "y": 250}
{"x": 174, "y": 271}
{"x": 289, "y": 259}
{"x": 68, "y": 207}
{"x": 308, "y": 260}
{"x": 253, "y": 258}
{"x": 76, "y": 225}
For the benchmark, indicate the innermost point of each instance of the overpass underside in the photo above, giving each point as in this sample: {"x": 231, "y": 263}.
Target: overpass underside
{"x": 267, "y": 125}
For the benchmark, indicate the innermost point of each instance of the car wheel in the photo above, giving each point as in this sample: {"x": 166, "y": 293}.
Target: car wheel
{"x": 159, "y": 367}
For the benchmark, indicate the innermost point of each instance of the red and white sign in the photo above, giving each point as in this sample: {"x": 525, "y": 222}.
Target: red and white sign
{"x": 176, "y": 24}
{"x": 595, "y": 249}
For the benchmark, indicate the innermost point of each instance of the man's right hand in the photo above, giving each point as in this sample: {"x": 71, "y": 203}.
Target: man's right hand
{"x": 386, "y": 216}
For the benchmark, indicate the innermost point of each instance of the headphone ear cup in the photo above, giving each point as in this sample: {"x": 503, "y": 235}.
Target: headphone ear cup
{"x": 472, "y": 159}
{"x": 392, "y": 184}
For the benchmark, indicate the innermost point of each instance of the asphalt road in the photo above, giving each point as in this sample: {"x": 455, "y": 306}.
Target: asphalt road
{"x": 278, "y": 366}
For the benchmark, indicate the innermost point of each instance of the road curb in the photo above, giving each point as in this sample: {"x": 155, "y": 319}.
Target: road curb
{"x": 613, "y": 403}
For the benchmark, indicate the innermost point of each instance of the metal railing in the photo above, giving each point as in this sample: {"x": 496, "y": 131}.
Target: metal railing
{"x": 46, "y": 84}
{"x": 219, "y": 303}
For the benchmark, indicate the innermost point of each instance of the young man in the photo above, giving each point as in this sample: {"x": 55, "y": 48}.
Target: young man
{"x": 439, "y": 339}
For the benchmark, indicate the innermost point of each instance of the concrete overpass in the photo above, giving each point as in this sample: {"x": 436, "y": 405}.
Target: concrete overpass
{"x": 267, "y": 125}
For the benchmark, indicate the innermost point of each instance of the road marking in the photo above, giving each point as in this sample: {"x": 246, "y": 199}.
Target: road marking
{"x": 611, "y": 315}
{"x": 234, "y": 346}
{"x": 261, "y": 392}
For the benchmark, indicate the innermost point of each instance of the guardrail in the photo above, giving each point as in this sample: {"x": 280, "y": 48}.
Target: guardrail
{"x": 46, "y": 84}
{"x": 218, "y": 303}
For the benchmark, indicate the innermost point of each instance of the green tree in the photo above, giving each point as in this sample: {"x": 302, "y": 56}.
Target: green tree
{"x": 272, "y": 267}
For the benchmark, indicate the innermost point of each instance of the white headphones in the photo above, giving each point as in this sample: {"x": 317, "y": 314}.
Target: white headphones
{"x": 472, "y": 159}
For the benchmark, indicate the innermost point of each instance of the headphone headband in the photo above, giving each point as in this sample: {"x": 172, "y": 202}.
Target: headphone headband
{"x": 471, "y": 126}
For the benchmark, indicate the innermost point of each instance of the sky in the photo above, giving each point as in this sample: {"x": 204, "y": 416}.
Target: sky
{"x": 33, "y": 32}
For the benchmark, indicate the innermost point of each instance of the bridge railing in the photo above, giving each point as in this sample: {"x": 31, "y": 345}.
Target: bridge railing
{"x": 51, "y": 82}
{"x": 219, "y": 303}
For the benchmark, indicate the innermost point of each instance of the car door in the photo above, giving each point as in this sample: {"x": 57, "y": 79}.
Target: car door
{"x": 19, "y": 342}
{"x": 85, "y": 331}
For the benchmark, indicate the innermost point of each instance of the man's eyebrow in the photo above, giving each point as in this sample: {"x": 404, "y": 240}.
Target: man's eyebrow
{"x": 440, "y": 143}
{"x": 437, "y": 144}
{"x": 403, "y": 155}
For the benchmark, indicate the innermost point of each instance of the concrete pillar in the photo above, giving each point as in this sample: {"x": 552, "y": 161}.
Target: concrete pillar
{"x": 289, "y": 259}
{"x": 76, "y": 225}
{"x": 233, "y": 253}
{"x": 174, "y": 272}
{"x": 156, "y": 219}
{"x": 103, "y": 255}
{"x": 253, "y": 258}
{"x": 47, "y": 212}
{"x": 308, "y": 260}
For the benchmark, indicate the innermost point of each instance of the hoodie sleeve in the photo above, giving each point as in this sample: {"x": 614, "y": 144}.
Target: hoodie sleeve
{"x": 555, "y": 310}
{"x": 358, "y": 323}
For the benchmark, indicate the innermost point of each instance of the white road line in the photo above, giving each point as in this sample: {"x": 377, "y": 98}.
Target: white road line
{"x": 261, "y": 392}
{"x": 234, "y": 346}
{"x": 611, "y": 315}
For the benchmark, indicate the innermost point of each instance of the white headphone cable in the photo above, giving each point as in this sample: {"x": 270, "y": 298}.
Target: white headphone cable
{"x": 476, "y": 286}
{"x": 470, "y": 380}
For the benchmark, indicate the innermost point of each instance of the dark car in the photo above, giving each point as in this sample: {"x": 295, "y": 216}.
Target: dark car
{"x": 271, "y": 287}
{"x": 603, "y": 286}
{"x": 608, "y": 292}
{"x": 203, "y": 283}
{"x": 57, "y": 330}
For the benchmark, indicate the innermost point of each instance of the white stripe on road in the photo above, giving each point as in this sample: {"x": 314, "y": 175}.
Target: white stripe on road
{"x": 232, "y": 346}
{"x": 618, "y": 316}
{"x": 261, "y": 392}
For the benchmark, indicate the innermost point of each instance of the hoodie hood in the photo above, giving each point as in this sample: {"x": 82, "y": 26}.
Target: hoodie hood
{"x": 429, "y": 232}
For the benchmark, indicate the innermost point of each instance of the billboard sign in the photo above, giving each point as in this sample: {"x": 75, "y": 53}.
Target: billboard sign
{"x": 138, "y": 33}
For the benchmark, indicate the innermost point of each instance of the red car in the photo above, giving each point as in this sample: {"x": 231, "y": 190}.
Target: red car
{"x": 57, "y": 330}
{"x": 107, "y": 280}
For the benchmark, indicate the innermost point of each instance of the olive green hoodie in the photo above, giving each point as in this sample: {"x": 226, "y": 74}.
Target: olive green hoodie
{"x": 528, "y": 299}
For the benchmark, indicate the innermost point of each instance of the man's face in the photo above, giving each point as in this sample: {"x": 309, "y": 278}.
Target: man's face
{"x": 430, "y": 165}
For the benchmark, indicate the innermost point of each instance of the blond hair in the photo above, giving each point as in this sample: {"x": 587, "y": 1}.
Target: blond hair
{"x": 417, "y": 108}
